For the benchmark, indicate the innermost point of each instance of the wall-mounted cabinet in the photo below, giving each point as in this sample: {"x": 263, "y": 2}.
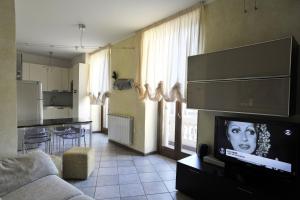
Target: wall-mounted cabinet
{"x": 65, "y": 79}
{"x": 256, "y": 96}
{"x": 52, "y": 78}
{"x": 58, "y": 79}
{"x": 39, "y": 73}
{"x": 255, "y": 79}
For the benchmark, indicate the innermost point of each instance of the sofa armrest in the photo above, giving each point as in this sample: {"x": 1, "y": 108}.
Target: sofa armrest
{"x": 23, "y": 169}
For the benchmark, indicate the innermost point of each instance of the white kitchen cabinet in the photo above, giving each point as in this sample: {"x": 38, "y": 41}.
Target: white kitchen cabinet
{"x": 48, "y": 113}
{"x": 25, "y": 71}
{"x": 39, "y": 73}
{"x": 81, "y": 101}
{"x": 56, "y": 112}
{"x": 62, "y": 112}
{"x": 70, "y": 113}
{"x": 65, "y": 85}
{"x": 54, "y": 79}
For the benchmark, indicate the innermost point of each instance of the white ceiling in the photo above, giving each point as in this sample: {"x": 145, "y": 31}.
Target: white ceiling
{"x": 55, "y": 22}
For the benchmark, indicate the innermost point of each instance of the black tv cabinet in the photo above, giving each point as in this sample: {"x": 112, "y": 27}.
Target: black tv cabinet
{"x": 203, "y": 180}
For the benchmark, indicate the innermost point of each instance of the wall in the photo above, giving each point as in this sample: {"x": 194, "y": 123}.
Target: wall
{"x": 227, "y": 26}
{"x": 45, "y": 60}
{"x": 124, "y": 61}
{"x": 8, "y": 115}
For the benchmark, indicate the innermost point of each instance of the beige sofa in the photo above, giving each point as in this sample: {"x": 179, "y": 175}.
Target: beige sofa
{"x": 34, "y": 177}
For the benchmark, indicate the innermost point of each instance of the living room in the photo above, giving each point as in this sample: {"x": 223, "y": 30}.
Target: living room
{"x": 224, "y": 24}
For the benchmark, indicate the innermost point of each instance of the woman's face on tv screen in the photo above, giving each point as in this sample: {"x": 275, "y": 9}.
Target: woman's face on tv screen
{"x": 242, "y": 136}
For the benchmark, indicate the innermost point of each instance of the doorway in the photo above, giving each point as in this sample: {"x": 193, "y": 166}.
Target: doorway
{"x": 177, "y": 129}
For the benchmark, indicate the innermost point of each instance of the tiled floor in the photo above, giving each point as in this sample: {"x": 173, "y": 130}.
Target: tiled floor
{"x": 121, "y": 174}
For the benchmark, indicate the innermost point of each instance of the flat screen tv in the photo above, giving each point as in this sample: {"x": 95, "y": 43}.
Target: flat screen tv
{"x": 265, "y": 144}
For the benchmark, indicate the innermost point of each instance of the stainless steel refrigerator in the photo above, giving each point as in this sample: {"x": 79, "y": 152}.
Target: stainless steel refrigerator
{"x": 29, "y": 100}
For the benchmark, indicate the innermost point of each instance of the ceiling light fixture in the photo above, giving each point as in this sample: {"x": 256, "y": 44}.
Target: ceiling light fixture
{"x": 82, "y": 29}
{"x": 50, "y": 58}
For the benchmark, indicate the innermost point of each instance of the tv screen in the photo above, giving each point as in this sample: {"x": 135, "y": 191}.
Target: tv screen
{"x": 268, "y": 144}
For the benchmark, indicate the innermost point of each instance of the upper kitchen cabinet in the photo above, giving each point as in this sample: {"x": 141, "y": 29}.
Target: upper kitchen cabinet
{"x": 25, "y": 71}
{"x": 65, "y": 79}
{"x": 39, "y": 73}
{"x": 58, "y": 79}
{"x": 54, "y": 79}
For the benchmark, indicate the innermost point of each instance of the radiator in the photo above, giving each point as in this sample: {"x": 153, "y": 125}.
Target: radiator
{"x": 120, "y": 129}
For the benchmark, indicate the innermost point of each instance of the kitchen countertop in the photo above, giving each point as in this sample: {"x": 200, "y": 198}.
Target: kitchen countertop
{"x": 50, "y": 122}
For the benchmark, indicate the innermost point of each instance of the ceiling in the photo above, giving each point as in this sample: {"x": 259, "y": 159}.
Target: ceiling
{"x": 41, "y": 23}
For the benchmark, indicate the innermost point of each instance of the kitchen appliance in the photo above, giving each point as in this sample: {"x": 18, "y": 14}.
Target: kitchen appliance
{"x": 29, "y": 100}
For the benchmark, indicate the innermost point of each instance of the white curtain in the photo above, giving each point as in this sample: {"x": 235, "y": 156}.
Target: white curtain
{"x": 165, "y": 49}
{"x": 99, "y": 76}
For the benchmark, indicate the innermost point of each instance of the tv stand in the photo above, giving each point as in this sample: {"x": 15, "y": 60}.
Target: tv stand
{"x": 201, "y": 180}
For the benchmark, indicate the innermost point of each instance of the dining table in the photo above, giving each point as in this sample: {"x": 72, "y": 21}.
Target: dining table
{"x": 52, "y": 123}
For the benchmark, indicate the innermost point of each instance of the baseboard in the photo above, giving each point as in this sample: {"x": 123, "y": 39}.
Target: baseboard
{"x": 96, "y": 132}
{"x": 132, "y": 149}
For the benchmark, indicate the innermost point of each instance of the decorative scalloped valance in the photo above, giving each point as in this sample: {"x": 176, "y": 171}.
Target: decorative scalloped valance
{"x": 164, "y": 52}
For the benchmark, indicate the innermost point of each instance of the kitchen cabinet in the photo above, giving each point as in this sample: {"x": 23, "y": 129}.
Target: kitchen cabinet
{"x": 58, "y": 79}
{"x": 54, "y": 79}
{"x": 25, "y": 71}
{"x": 39, "y": 73}
{"x": 81, "y": 101}
{"x": 57, "y": 112}
{"x": 62, "y": 112}
{"x": 65, "y": 85}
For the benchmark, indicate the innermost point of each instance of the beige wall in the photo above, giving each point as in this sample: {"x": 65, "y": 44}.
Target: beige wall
{"x": 8, "y": 117}
{"x": 44, "y": 60}
{"x": 227, "y": 26}
{"x": 124, "y": 61}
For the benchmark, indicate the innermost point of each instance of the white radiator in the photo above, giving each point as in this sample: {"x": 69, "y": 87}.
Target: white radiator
{"x": 120, "y": 128}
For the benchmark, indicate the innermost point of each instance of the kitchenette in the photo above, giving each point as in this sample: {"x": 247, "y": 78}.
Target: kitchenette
{"x": 52, "y": 93}
{"x": 56, "y": 87}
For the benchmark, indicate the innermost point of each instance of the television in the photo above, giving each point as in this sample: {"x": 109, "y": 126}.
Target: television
{"x": 265, "y": 144}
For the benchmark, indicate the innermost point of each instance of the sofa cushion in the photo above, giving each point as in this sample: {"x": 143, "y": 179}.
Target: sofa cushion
{"x": 22, "y": 169}
{"x": 47, "y": 188}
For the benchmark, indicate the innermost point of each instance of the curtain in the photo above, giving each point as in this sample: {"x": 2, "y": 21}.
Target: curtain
{"x": 99, "y": 76}
{"x": 164, "y": 52}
